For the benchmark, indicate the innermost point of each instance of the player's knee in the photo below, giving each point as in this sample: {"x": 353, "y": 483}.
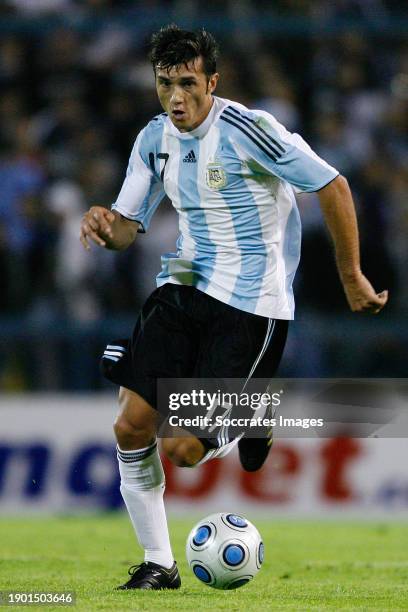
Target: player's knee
{"x": 183, "y": 452}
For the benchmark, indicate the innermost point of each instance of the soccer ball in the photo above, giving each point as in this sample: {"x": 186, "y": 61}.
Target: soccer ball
{"x": 225, "y": 551}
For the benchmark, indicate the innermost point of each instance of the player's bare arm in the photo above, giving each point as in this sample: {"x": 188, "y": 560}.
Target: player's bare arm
{"x": 339, "y": 213}
{"x": 107, "y": 229}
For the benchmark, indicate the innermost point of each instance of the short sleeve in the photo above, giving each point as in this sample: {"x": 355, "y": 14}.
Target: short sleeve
{"x": 141, "y": 192}
{"x": 278, "y": 151}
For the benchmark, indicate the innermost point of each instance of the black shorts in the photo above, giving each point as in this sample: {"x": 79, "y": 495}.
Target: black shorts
{"x": 184, "y": 333}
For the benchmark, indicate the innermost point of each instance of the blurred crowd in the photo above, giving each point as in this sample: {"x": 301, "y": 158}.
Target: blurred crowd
{"x": 366, "y": 9}
{"x": 73, "y": 101}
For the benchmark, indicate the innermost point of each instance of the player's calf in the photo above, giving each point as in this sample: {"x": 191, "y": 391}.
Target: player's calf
{"x": 130, "y": 437}
{"x": 137, "y": 422}
{"x": 184, "y": 452}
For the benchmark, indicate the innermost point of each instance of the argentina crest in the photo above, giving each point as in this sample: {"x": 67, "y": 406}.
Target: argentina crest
{"x": 215, "y": 175}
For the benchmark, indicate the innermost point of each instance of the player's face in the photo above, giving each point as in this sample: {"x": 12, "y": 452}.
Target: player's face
{"x": 185, "y": 93}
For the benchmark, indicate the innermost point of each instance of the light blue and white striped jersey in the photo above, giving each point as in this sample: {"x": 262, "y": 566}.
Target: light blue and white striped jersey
{"x": 231, "y": 181}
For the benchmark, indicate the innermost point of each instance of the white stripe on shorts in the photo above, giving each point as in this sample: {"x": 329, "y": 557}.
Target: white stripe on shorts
{"x": 269, "y": 333}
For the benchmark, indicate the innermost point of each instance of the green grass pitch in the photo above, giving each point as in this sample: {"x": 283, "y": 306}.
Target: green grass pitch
{"x": 308, "y": 565}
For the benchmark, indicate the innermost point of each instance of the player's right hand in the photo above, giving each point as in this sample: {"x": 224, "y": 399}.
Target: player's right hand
{"x": 96, "y": 225}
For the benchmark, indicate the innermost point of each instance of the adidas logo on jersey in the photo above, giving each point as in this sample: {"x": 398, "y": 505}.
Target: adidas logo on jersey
{"x": 190, "y": 158}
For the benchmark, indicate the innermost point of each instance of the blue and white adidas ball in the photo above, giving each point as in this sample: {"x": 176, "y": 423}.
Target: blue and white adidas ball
{"x": 224, "y": 551}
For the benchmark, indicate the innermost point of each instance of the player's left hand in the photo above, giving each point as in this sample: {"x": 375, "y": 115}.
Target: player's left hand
{"x": 361, "y": 295}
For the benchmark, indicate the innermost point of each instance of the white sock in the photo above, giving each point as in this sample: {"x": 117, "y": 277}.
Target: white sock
{"x": 142, "y": 487}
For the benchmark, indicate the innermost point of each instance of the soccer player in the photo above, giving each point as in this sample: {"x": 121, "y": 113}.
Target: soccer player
{"x": 224, "y": 298}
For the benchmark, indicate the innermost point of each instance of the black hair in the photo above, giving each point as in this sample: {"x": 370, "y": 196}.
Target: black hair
{"x": 172, "y": 46}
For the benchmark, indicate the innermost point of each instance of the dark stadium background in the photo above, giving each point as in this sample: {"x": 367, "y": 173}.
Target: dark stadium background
{"x": 75, "y": 89}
